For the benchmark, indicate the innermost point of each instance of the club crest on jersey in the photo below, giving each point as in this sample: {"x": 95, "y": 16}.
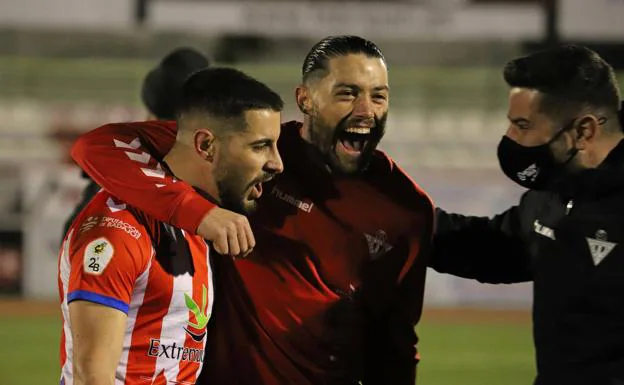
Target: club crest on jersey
{"x": 377, "y": 244}
{"x": 599, "y": 247}
{"x": 197, "y": 329}
{"x": 97, "y": 255}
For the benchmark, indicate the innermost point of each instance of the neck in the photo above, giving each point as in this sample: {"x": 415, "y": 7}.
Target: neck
{"x": 188, "y": 167}
{"x": 604, "y": 146}
{"x": 312, "y": 152}
{"x": 306, "y": 129}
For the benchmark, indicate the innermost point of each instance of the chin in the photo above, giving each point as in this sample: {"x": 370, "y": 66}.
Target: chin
{"x": 249, "y": 207}
{"x": 243, "y": 207}
{"x": 347, "y": 168}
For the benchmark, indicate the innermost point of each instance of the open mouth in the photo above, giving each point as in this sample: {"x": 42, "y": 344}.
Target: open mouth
{"x": 355, "y": 139}
{"x": 256, "y": 189}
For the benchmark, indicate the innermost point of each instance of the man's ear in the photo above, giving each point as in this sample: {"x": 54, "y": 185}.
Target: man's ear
{"x": 585, "y": 130}
{"x": 304, "y": 99}
{"x": 204, "y": 144}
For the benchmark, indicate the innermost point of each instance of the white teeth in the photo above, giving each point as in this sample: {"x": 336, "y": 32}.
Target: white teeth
{"x": 358, "y": 130}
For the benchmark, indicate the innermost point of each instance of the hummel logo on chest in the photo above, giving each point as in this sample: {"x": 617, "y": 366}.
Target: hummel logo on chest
{"x": 298, "y": 203}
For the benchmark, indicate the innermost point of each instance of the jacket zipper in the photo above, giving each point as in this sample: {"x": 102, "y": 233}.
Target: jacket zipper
{"x": 569, "y": 206}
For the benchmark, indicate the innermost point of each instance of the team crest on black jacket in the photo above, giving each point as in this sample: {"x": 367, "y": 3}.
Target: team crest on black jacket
{"x": 599, "y": 246}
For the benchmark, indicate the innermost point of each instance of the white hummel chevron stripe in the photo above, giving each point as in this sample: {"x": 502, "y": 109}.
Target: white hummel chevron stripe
{"x": 136, "y": 143}
{"x": 153, "y": 173}
{"x": 114, "y": 207}
{"x": 143, "y": 157}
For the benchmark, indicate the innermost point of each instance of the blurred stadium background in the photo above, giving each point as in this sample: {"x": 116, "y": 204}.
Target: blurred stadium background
{"x": 67, "y": 66}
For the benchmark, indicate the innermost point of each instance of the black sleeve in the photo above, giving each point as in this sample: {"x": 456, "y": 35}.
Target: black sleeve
{"x": 490, "y": 250}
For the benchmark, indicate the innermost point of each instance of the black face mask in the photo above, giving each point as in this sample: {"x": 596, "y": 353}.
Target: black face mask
{"x": 533, "y": 167}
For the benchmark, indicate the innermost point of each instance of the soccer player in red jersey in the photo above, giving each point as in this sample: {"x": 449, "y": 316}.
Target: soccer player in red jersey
{"x": 136, "y": 293}
{"x": 334, "y": 287}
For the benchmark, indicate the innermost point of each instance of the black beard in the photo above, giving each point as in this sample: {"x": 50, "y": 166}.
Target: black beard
{"x": 231, "y": 200}
{"x": 325, "y": 141}
{"x": 235, "y": 200}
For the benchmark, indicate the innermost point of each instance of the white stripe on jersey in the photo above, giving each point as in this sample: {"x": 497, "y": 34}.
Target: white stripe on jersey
{"x": 67, "y": 370}
{"x": 171, "y": 332}
{"x": 138, "y": 293}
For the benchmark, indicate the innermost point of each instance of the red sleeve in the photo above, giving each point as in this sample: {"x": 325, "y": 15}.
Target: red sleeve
{"x": 123, "y": 159}
{"x": 105, "y": 254}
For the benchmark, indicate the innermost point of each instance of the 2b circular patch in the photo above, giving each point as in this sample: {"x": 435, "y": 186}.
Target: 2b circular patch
{"x": 97, "y": 255}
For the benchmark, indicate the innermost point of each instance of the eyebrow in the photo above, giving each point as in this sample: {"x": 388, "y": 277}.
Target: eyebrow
{"x": 356, "y": 87}
{"x": 518, "y": 120}
{"x": 261, "y": 141}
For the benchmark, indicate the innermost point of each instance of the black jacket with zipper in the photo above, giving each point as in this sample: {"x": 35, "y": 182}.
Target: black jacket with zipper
{"x": 570, "y": 243}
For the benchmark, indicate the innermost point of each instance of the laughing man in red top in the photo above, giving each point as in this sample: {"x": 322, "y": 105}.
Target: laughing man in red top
{"x": 333, "y": 289}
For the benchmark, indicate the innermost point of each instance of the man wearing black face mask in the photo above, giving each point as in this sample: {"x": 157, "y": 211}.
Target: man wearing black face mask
{"x": 564, "y": 143}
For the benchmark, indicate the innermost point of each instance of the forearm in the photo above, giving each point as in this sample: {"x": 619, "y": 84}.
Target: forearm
{"x": 93, "y": 375}
{"x": 480, "y": 248}
{"x": 97, "y": 334}
{"x": 95, "y": 366}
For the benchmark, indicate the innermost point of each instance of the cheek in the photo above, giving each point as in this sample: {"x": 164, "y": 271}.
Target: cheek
{"x": 561, "y": 147}
{"x": 381, "y": 110}
{"x": 236, "y": 181}
{"x": 514, "y": 133}
{"x": 232, "y": 170}
{"x": 251, "y": 165}
{"x": 529, "y": 138}
{"x": 332, "y": 113}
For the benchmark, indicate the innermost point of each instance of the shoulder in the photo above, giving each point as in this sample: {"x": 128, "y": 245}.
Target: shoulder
{"x": 290, "y": 135}
{"x": 534, "y": 205}
{"x": 155, "y": 127}
{"x": 109, "y": 222}
{"x": 169, "y": 126}
{"x": 534, "y": 201}
{"x": 292, "y": 125}
{"x": 156, "y": 124}
{"x": 394, "y": 180}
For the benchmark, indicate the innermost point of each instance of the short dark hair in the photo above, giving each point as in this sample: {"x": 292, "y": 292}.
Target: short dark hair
{"x": 161, "y": 86}
{"x": 316, "y": 60}
{"x": 570, "y": 78}
{"x": 226, "y": 93}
